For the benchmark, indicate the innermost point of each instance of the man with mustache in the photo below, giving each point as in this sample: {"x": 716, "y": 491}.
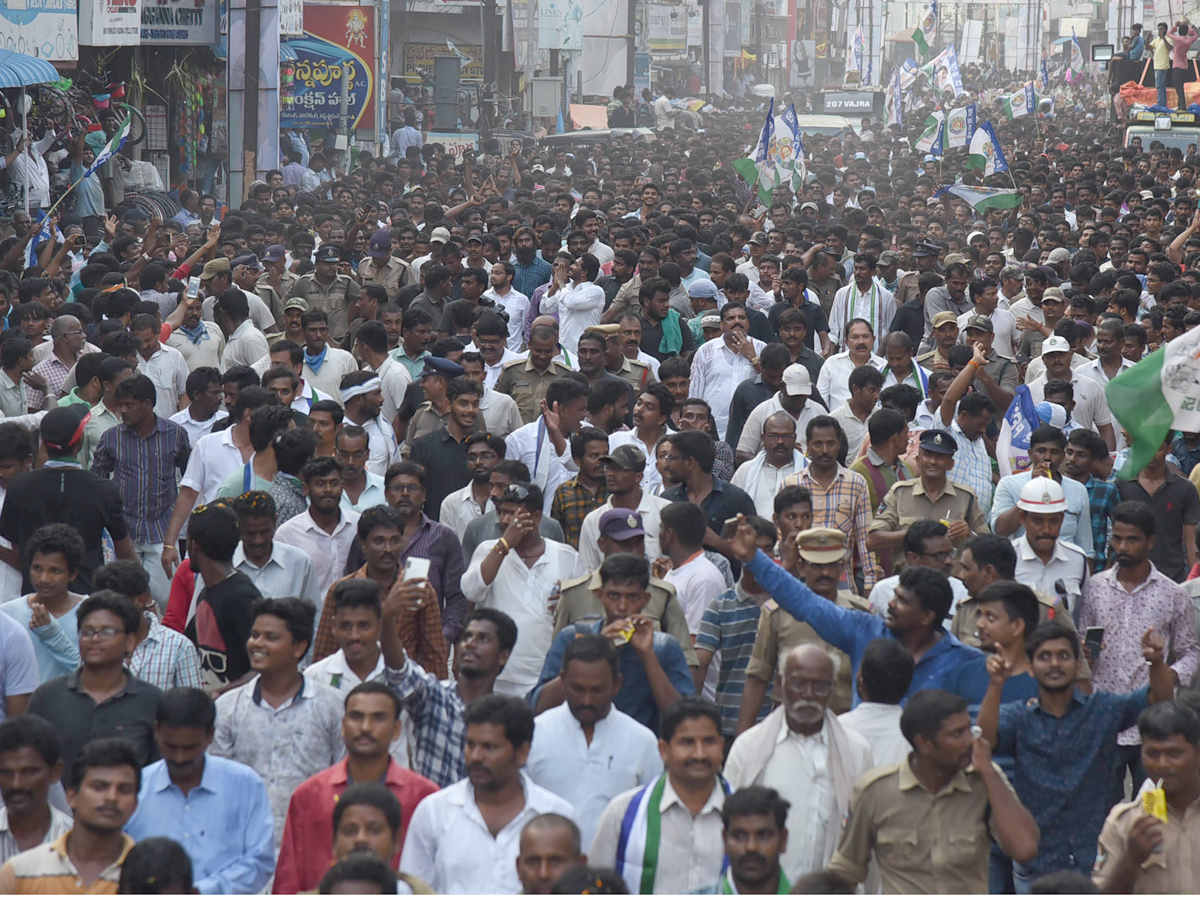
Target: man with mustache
{"x": 1069, "y": 786}
{"x": 369, "y": 727}
{"x": 366, "y": 823}
{"x": 755, "y": 839}
{"x": 684, "y": 853}
{"x": 465, "y": 839}
{"x": 550, "y": 846}
{"x": 585, "y": 750}
{"x": 29, "y": 764}
{"x": 1142, "y": 854}
{"x": 946, "y": 793}
{"x": 102, "y": 790}
{"x": 803, "y": 752}
{"x": 217, "y": 809}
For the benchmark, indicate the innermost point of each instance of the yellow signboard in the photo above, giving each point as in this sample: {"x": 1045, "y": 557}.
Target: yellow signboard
{"x": 418, "y": 60}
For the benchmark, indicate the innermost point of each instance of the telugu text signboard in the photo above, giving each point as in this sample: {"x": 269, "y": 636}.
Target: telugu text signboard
{"x": 418, "y": 60}
{"x": 338, "y": 43}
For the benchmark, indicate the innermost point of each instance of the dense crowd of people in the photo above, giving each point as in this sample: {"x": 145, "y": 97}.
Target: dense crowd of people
{"x": 538, "y": 521}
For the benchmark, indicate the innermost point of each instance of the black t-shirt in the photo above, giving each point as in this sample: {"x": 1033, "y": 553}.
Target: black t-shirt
{"x": 221, "y": 627}
{"x": 72, "y": 496}
{"x": 910, "y": 318}
{"x": 446, "y": 470}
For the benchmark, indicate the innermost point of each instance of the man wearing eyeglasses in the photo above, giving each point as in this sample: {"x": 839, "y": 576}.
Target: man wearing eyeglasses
{"x": 926, "y": 543}
{"x": 804, "y": 753}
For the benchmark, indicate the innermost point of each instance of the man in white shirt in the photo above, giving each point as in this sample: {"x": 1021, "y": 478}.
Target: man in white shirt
{"x": 163, "y": 365}
{"x": 719, "y": 366}
{"x": 202, "y": 343}
{"x": 521, "y": 574}
{"x": 543, "y": 445}
{"x": 276, "y": 568}
{"x": 28, "y": 170}
{"x": 833, "y": 383}
{"x": 1091, "y": 409}
{"x": 985, "y": 295}
{"x": 324, "y": 366}
{"x": 325, "y": 530}
{"x": 863, "y": 298}
{"x": 465, "y": 838}
{"x": 682, "y": 527}
{"x": 516, "y": 304}
{"x": 803, "y": 752}
{"x": 664, "y": 112}
{"x": 203, "y": 411}
{"x": 577, "y": 304}
{"x": 491, "y": 337}
{"x": 926, "y": 543}
{"x": 623, "y": 476}
{"x": 793, "y": 398}
{"x": 864, "y": 384}
{"x": 584, "y": 750}
{"x": 763, "y": 476}
{"x": 686, "y": 853}
{"x": 244, "y": 343}
{"x": 884, "y": 675}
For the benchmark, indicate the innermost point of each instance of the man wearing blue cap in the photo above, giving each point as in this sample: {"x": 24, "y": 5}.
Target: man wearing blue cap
{"x": 931, "y": 495}
{"x": 381, "y": 267}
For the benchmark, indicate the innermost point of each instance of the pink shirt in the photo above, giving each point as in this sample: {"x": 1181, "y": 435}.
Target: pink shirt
{"x": 1179, "y": 51}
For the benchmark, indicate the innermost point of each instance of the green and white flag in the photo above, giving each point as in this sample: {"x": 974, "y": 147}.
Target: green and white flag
{"x": 926, "y": 32}
{"x": 983, "y": 198}
{"x": 1160, "y": 393}
{"x": 1021, "y": 103}
{"x": 758, "y": 169}
{"x": 930, "y": 140}
{"x": 985, "y": 152}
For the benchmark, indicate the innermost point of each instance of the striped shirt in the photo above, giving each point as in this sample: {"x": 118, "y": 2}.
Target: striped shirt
{"x": 729, "y": 627}
{"x": 166, "y": 659}
{"x": 1102, "y": 497}
{"x": 60, "y": 824}
{"x": 48, "y": 870}
{"x": 143, "y": 469}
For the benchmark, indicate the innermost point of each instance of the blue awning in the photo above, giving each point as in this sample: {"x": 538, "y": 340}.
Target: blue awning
{"x": 286, "y": 53}
{"x": 21, "y": 70}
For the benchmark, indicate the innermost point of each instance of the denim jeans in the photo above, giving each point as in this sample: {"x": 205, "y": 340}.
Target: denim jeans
{"x": 1000, "y": 872}
{"x": 1023, "y": 878}
{"x": 1161, "y": 76}
{"x": 150, "y": 556}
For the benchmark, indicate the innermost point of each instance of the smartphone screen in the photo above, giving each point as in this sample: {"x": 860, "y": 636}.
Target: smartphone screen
{"x": 416, "y": 567}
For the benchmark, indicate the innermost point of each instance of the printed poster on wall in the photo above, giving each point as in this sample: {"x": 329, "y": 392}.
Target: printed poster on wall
{"x": 337, "y": 41}
{"x": 46, "y": 29}
{"x": 110, "y": 23}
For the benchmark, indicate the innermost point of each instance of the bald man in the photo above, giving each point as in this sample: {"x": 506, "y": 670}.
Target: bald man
{"x": 804, "y": 753}
{"x": 550, "y": 845}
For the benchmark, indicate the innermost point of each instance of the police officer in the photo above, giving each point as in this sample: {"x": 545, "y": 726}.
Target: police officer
{"x": 931, "y": 495}
{"x": 327, "y": 290}
{"x": 526, "y": 380}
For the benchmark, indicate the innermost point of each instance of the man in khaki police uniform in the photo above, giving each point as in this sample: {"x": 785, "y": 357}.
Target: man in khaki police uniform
{"x": 329, "y": 291}
{"x": 526, "y": 380}
{"x": 822, "y": 555}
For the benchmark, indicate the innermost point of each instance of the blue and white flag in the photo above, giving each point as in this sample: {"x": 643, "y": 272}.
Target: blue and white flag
{"x": 109, "y": 150}
{"x": 1076, "y": 63}
{"x": 960, "y": 125}
{"x": 48, "y": 231}
{"x": 908, "y": 73}
{"x": 930, "y": 140}
{"x": 985, "y": 152}
{"x": 946, "y": 74}
{"x": 1012, "y": 447}
{"x": 895, "y": 102}
{"x": 1045, "y": 76}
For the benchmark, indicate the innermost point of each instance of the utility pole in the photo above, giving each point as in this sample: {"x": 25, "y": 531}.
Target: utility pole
{"x": 704, "y": 42}
{"x": 631, "y": 17}
{"x": 758, "y": 39}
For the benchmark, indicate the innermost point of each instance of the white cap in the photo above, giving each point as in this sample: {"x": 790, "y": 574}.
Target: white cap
{"x": 1056, "y": 343}
{"x": 1042, "y": 495}
{"x": 796, "y": 381}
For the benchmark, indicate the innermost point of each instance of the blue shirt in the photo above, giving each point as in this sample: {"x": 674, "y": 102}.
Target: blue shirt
{"x": 1137, "y": 47}
{"x": 529, "y": 278}
{"x": 850, "y": 630}
{"x": 971, "y": 681}
{"x": 1066, "y": 772}
{"x": 635, "y": 698}
{"x": 225, "y": 824}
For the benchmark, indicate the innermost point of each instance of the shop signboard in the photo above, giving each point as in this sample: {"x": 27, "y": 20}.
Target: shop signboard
{"x": 418, "y": 60}
{"x": 110, "y": 23}
{"x": 180, "y": 22}
{"x": 338, "y": 45}
{"x": 454, "y": 143}
{"x": 46, "y": 29}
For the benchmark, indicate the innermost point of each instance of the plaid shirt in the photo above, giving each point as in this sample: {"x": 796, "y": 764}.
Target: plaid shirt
{"x": 144, "y": 471}
{"x": 436, "y": 710}
{"x": 1103, "y": 496}
{"x": 166, "y": 659}
{"x": 420, "y": 630}
{"x": 572, "y": 503}
{"x": 972, "y": 467}
{"x": 846, "y": 506}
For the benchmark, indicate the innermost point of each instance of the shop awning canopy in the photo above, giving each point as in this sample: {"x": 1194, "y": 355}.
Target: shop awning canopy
{"x": 22, "y": 70}
{"x": 286, "y": 53}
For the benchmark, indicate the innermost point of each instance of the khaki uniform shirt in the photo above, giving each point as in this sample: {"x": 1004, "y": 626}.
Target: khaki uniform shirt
{"x": 825, "y": 291}
{"x": 335, "y": 301}
{"x": 967, "y": 612}
{"x": 579, "y": 602}
{"x": 907, "y": 288}
{"x": 391, "y": 274}
{"x": 906, "y": 502}
{"x": 637, "y": 374}
{"x": 525, "y": 384}
{"x": 779, "y": 633}
{"x": 922, "y": 843}
{"x": 1003, "y": 371}
{"x": 1172, "y": 868}
{"x": 929, "y": 360}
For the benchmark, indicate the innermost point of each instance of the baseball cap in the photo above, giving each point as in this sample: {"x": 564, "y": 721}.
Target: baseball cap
{"x": 702, "y": 287}
{"x": 63, "y": 426}
{"x": 981, "y": 323}
{"x": 945, "y": 317}
{"x": 710, "y": 322}
{"x": 808, "y": 204}
{"x": 621, "y": 524}
{"x": 627, "y": 457}
{"x": 440, "y": 234}
{"x": 380, "y": 246}
{"x": 759, "y": 238}
{"x": 796, "y": 381}
{"x": 214, "y": 267}
{"x": 889, "y": 258}
{"x": 475, "y": 238}
{"x": 821, "y": 545}
{"x": 1056, "y": 343}
{"x": 295, "y": 303}
{"x": 1042, "y": 495}
{"x": 1059, "y": 254}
